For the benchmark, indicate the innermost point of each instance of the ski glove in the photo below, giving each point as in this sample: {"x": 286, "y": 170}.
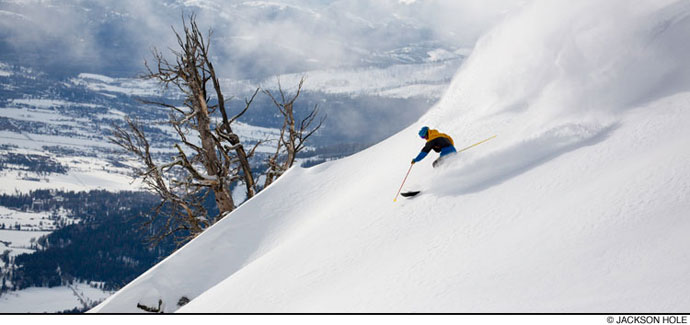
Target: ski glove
{"x": 419, "y": 157}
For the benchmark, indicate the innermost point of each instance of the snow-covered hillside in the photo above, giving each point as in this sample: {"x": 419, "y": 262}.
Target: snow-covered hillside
{"x": 579, "y": 205}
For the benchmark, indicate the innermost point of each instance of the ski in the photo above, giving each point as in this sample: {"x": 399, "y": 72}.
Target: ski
{"x": 410, "y": 193}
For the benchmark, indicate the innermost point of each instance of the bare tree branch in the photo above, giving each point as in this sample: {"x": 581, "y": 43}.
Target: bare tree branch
{"x": 292, "y": 138}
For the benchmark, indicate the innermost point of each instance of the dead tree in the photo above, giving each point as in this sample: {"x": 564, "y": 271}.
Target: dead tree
{"x": 209, "y": 155}
{"x": 293, "y": 134}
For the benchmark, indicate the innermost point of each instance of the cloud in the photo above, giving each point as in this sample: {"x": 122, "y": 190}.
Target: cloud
{"x": 295, "y": 36}
{"x": 80, "y": 36}
{"x": 250, "y": 38}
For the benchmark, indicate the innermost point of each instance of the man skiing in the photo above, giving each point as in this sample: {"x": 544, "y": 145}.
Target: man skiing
{"x": 437, "y": 141}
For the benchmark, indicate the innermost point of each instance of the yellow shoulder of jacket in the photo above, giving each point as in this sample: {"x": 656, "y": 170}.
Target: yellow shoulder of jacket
{"x": 433, "y": 134}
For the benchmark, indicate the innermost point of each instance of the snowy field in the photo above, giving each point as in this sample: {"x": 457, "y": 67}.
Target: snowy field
{"x": 32, "y": 225}
{"x": 4, "y": 70}
{"x": 32, "y": 221}
{"x": 580, "y": 204}
{"x": 427, "y": 79}
{"x": 84, "y": 173}
{"x": 108, "y": 85}
{"x": 38, "y": 104}
{"x": 19, "y": 242}
{"x": 89, "y": 169}
{"x": 51, "y": 300}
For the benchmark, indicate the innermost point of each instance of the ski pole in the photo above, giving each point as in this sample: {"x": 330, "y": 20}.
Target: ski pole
{"x": 403, "y": 183}
{"x": 476, "y": 144}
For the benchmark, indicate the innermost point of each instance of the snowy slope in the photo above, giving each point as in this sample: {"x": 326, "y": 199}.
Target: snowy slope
{"x": 579, "y": 205}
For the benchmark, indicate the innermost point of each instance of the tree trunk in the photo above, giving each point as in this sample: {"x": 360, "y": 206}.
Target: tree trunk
{"x": 224, "y": 200}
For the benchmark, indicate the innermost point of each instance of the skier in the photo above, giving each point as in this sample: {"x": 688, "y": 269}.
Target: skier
{"x": 437, "y": 141}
